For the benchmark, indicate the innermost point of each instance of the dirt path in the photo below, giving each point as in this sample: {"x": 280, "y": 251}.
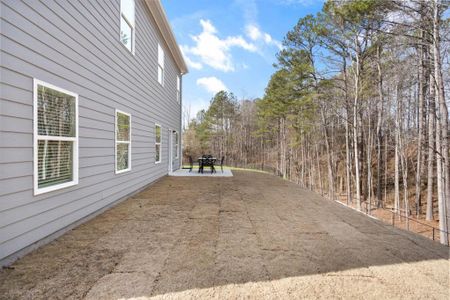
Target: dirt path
{"x": 250, "y": 236}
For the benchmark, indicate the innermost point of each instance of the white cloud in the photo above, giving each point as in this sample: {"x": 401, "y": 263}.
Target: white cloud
{"x": 208, "y": 26}
{"x": 240, "y": 42}
{"x": 252, "y": 30}
{"x": 214, "y": 51}
{"x": 255, "y": 34}
{"x": 191, "y": 64}
{"x": 211, "y": 84}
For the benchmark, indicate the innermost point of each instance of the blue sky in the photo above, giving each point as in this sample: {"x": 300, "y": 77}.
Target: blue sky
{"x": 231, "y": 44}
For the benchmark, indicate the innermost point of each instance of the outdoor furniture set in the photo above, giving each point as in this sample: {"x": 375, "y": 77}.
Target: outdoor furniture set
{"x": 206, "y": 161}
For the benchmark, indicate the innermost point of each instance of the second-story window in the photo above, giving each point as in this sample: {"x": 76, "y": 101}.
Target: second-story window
{"x": 127, "y": 24}
{"x": 160, "y": 65}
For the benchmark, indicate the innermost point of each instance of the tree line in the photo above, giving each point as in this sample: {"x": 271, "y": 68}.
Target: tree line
{"x": 356, "y": 107}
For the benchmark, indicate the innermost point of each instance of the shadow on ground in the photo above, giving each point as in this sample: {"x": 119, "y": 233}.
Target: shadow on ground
{"x": 251, "y": 235}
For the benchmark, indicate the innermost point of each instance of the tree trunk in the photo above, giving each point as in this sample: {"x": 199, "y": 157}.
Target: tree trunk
{"x": 401, "y": 149}
{"x": 379, "y": 125}
{"x": 369, "y": 165}
{"x": 329, "y": 157}
{"x": 440, "y": 183}
{"x": 278, "y": 163}
{"x": 385, "y": 170}
{"x": 441, "y": 133}
{"x": 318, "y": 170}
{"x": 283, "y": 148}
{"x": 431, "y": 149}
{"x": 348, "y": 162}
{"x": 356, "y": 128}
{"x": 422, "y": 86}
{"x": 397, "y": 155}
{"x": 302, "y": 174}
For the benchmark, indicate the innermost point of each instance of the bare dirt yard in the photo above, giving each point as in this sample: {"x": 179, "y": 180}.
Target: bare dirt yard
{"x": 251, "y": 236}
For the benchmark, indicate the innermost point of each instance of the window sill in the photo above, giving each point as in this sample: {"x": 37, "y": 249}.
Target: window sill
{"x": 126, "y": 48}
{"x": 38, "y": 191}
{"x": 123, "y": 171}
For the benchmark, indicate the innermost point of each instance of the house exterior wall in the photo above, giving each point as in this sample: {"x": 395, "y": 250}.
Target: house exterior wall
{"x": 75, "y": 45}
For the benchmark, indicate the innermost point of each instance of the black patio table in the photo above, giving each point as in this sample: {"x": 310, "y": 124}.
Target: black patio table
{"x": 206, "y": 161}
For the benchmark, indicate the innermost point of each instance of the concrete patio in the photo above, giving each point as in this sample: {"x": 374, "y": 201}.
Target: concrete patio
{"x": 206, "y": 173}
{"x": 252, "y": 235}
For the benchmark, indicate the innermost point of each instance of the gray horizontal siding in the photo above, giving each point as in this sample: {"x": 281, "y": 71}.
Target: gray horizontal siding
{"x": 75, "y": 45}
{"x": 15, "y": 155}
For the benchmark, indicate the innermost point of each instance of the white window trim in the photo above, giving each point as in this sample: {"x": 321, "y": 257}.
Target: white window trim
{"x": 159, "y": 66}
{"x": 160, "y": 144}
{"x": 122, "y": 142}
{"x": 133, "y": 28}
{"x": 37, "y": 137}
{"x": 177, "y": 144}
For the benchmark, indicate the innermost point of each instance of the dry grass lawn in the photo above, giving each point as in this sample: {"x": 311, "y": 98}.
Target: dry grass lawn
{"x": 251, "y": 236}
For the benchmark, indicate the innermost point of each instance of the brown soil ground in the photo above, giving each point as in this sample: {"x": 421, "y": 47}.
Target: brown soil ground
{"x": 251, "y": 236}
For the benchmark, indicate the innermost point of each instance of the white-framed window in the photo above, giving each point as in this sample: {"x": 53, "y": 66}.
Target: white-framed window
{"x": 177, "y": 143}
{"x": 157, "y": 143}
{"x": 160, "y": 65}
{"x": 127, "y": 24}
{"x": 178, "y": 88}
{"x": 123, "y": 142}
{"x": 55, "y": 137}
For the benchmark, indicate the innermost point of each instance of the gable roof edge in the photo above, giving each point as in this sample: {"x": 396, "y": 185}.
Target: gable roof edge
{"x": 162, "y": 22}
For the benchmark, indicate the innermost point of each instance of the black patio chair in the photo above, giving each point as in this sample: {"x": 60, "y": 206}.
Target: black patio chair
{"x": 200, "y": 165}
{"x": 213, "y": 169}
{"x": 191, "y": 164}
{"x": 222, "y": 160}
